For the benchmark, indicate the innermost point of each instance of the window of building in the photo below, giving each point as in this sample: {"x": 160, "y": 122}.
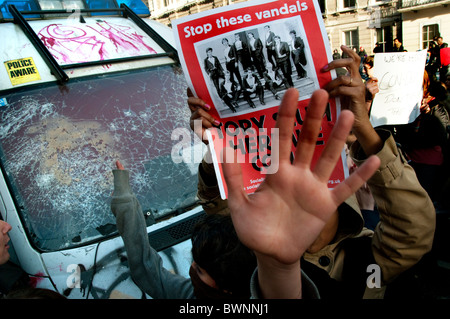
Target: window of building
{"x": 322, "y": 4}
{"x": 349, "y": 3}
{"x": 428, "y": 33}
{"x": 352, "y": 39}
{"x": 385, "y": 38}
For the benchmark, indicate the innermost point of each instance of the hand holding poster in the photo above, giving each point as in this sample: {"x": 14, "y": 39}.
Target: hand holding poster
{"x": 240, "y": 59}
{"x": 400, "y": 81}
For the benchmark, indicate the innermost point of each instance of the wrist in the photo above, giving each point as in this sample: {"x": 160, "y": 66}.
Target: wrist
{"x": 367, "y": 137}
{"x": 278, "y": 280}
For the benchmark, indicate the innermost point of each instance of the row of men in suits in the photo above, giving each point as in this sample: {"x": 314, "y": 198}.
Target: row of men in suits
{"x": 251, "y": 57}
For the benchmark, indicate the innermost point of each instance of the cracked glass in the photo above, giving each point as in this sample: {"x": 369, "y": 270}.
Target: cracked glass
{"x": 59, "y": 144}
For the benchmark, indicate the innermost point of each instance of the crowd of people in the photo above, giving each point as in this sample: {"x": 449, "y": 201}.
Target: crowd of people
{"x": 365, "y": 229}
{"x": 252, "y": 66}
{"x": 294, "y": 237}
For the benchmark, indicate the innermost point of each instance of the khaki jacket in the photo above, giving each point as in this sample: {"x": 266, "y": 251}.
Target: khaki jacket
{"x": 407, "y": 216}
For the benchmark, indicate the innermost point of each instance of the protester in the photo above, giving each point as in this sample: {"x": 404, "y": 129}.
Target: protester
{"x": 366, "y": 68}
{"x": 425, "y": 140}
{"x": 447, "y": 82}
{"x": 433, "y": 59}
{"x": 34, "y": 293}
{"x": 11, "y": 275}
{"x": 222, "y": 266}
{"x": 443, "y": 69}
{"x": 336, "y": 54}
{"x": 362, "y": 53}
{"x": 398, "y": 46}
{"x": 337, "y": 261}
{"x": 4, "y": 240}
{"x": 378, "y": 48}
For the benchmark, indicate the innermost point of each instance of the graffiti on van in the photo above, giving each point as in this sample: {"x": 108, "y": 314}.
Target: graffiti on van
{"x": 80, "y": 42}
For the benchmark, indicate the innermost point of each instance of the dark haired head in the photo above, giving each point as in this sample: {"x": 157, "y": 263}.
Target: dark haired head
{"x": 34, "y": 293}
{"x": 217, "y": 249}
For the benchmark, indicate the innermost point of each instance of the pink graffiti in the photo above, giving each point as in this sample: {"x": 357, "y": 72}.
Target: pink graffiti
{"x": 83, "y": 43}
{"x": 36, "y": 279}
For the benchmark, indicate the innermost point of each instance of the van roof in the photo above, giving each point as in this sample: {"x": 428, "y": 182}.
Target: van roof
{"x": 95, "y": 7}
{"x": 67, "y": 42}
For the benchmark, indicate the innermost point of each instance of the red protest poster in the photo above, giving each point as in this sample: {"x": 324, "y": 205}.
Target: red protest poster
{"x": 240, "y": 59}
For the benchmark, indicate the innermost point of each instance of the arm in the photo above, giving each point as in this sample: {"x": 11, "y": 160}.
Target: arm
{"x": 407, "y": 214}
{"x": 145, "y": 264}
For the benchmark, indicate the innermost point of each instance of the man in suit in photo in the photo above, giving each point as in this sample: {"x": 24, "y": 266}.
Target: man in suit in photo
{"x": 282, "y": 53}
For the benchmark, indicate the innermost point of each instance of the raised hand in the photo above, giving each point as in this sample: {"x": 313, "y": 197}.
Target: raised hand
{"x": 352, "y": 92}
{"x": 287, "y": 212}
{"x": 289, "y": 209}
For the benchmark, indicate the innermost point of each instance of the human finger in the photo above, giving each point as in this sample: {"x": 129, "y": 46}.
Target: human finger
{"x": 285, "y": 123}
{"x": 356, "y": 180}
{"x": 207, "y": 119}
{"x": 333, "y": 149}
{"x": 195, "y": 103}
{"x": 311, "y": 128}
{"x": 344, "y": 80}
{"x": 119, "y": 165}
{"x": 351, "y": 63}
{"x": 346, "y": 91}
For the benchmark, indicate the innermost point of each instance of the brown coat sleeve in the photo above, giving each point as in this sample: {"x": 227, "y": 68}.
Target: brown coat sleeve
{"x": 407, "y": 215}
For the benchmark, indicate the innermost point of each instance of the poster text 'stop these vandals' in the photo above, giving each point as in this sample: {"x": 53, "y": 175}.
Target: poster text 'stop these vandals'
{"x": 222, "y": 22}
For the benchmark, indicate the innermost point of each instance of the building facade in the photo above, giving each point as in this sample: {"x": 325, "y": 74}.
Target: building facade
{"x": 423, "y": 20}
{"x": 354, "y": 23}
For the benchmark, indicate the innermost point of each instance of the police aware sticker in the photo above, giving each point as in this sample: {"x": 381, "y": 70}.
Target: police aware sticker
{"x": 22, "y": 71}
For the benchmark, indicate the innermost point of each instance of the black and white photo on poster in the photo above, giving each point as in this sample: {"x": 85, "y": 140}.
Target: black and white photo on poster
{"x": 251, "y": 68}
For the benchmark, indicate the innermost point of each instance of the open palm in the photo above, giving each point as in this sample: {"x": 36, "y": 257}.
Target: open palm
{"x": 290, "y": 208}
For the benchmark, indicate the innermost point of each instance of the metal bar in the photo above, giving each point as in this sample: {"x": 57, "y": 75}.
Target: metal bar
{"x": 128, "y": 13}
{"x": 54, "y": 67}
{"x": 71, "y": 11}
{"x": 110, "y": 61}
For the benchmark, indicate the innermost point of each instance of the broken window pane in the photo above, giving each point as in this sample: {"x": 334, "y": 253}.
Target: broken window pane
{"x": 60, "y": 143}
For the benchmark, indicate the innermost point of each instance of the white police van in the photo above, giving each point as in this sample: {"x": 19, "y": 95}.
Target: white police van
{"x": 84, "y": 83}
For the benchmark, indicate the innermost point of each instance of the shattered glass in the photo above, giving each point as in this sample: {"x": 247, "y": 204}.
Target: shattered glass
{"x": 60, "y": 143}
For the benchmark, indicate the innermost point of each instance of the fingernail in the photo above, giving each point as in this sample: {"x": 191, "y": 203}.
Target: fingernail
{"x": 216, "y": 122}
{"x": 324, "y": 68}
{"x": 207, "y": 106}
